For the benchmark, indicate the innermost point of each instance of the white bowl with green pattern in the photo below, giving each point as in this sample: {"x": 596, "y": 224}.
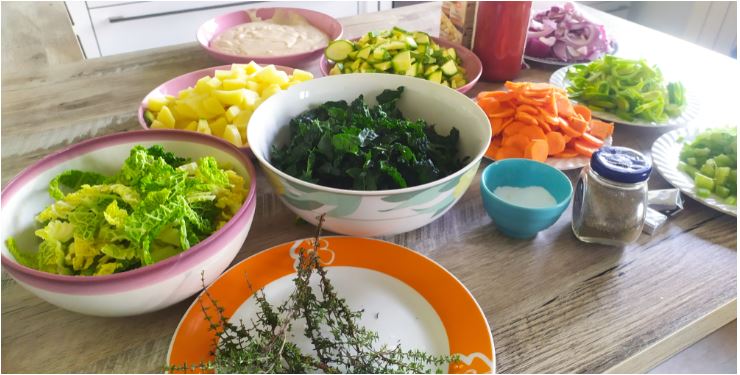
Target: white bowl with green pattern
{"x": 382, "y": 212}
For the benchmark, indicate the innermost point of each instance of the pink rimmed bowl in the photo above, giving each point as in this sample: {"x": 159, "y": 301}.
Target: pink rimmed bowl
{"x": 141, "y": 290}
{"x": 215, "y": 26}
{"x": 175, "y": 85}
{"x": 470, "y": 62}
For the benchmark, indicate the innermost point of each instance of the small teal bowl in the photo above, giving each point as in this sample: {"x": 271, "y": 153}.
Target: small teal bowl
{"x": 514, "y": 220}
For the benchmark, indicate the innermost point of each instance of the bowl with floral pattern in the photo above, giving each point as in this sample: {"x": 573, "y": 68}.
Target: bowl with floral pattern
{"x": 372, "y": 212}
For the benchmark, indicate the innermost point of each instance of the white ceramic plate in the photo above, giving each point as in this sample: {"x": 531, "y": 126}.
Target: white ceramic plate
{"x": 690, "y": 113}
{"x": 666, "y": 150}
{"x": 556, "y": 62}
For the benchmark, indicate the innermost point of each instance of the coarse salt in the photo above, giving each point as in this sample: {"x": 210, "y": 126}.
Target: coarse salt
{"x": 530, "y": 196}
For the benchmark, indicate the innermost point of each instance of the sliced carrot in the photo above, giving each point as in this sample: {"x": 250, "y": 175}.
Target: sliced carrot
{"x": 518, "y": 140}
{"x": 508, "y": 153}
{"x": 526, "y": 118}
{"x": 568, "y": 153}
{"x": 527, "y": 100}
{"x": 493, "y": 148}
{"x": 567, "y": 130}
{"x": 489, "y": 105}
{"x": 513, "y": 128}
{"x": 537, "y": 150}
{"x": 565, "y": 108}
{"x": 591, "y": 140}
{"x": 532, "y": 132}
{"x": 578, "y": 124}
{"x": 566, "y": 138}
{"x": 583, "y": 111}
{"x": 543, "y": 124}
{"x": 502, "y": 113}
{"x": 556, "y": 143}
{"x": 496, "y": 125}
{"x": 584, "y": 148}
{"x": 514, "y": 86}
{"x": 501, "y": 96}
{"x": 601, "y": 129}
{"x": 526, "y": 108}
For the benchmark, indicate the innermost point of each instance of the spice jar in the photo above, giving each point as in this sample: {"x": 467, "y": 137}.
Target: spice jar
{"x": 610, "y": 200}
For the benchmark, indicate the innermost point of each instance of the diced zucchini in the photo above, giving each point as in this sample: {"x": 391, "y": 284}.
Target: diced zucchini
{"x": 382, "y": 66}
{"x": 338, "y": 50}
{"x": 452, "y": 53}
{"x": 394, "y": 45}
{"x": 436, "y": 77}
{"x": 421, "y": 38}
{"x": 402, "y": 62}
{"x": 431, "y": 69}
{"x": 449, "y": 68}
{"x": 446, "y": 83}
{"x": 149, "y": 117}
{"x": 355, "y": 66}
{"x": 380, "y": 53}
{"x": 412, "y": 70}
{"x": 411, "y": 43}
{"x": 336, "y": 69}
{"x": 364, "y": 53}
{"x": 352, "y": 55}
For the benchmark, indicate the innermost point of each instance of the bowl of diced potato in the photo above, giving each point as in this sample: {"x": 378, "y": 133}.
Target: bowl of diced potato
{"x": 217, "y": 101}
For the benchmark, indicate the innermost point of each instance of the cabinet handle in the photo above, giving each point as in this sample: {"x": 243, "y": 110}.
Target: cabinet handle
{"x": 117, "y": 19}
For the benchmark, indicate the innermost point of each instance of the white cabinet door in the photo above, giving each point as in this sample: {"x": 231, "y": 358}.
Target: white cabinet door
{"x": 127, "y": 27}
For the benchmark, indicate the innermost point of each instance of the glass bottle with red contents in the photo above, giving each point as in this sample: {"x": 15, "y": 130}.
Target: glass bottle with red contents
{"x": 500, "y": 36}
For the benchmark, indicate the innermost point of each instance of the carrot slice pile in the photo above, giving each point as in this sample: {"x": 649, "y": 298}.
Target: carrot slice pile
{"x": 537, "y": 121}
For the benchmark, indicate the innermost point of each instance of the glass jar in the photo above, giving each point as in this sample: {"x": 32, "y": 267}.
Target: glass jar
{"x": 500, "y": 36}
{"x": 610, "y": 199}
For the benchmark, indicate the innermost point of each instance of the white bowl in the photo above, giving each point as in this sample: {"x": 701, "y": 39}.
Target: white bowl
{"x": 143, "y": 289}
{"x": 372, "y": 213}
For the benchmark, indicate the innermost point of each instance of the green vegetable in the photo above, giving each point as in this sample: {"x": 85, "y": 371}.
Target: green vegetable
{"x": 711, "y": 160}
{"x": 353, "y": 146}
{"x": 156, "y": 206}
{"x": 631, "y": 89}
{"x": 399, "y": 52}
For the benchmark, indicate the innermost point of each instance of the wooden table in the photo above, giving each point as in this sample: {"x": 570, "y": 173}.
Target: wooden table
{"x": 554, "y": 304}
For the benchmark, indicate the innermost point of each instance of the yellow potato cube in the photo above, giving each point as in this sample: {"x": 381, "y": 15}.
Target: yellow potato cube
{"x": 181, "y": 110}
{"x": 217, "y": 127}
{"x": 270, "y": 91}
{"x": 233, "y": 97}
{"x": 301, "y": 75}
{"x": 223, "y": 74}
{"x": 251, "y": 99}
{"x": 182, "y": 123}
{"x": 185, "y": 93}
{"x": 250, "y": 68}
{"x": 156, "y": 124}
{"x": 155, "y": 103}
{"x": 232, "y": 112}
{"x": 234, "y": 84}
{"x": 269, "y": 74}
{"x": 242, "y": 119}
{"x": 213, "y": 107}
{"x": 214, "y": 83}
{"x": 254, "y": 86}
{"x": 203, "y": 127}
{"x": 170, "y": 99}
{"x": 192, "y": 126}
{"x": 165, "y": 116}
{"x": 243, "y": 133}
{"x": 231, "y": 134}
{"x": 202, "y": 86}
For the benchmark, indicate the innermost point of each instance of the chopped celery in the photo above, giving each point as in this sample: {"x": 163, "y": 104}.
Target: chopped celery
{"x": 703, "y": 182}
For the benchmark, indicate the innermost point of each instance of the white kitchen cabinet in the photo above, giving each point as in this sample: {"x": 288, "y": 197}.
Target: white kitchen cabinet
{"x": 111, "y": 27}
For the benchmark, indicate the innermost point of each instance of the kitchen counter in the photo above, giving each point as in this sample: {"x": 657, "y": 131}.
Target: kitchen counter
{"x": 554, "y": 304}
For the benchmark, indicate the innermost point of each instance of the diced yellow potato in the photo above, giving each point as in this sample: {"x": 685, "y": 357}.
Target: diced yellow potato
{"x": 192, "y": 126}
{"x": 170, "y": 99}
{"x": 182, "y": 123}
{"x": 243, "y": 133}
{"x": 270, "y": 91}
{"x": 269, "y": 74}
{"x": 185, "y": 93}
{"x": 254, "y": 86}
{"x": 181, "y": 110}
{"x": 156, "y": 124}
{"x": 214, "y": 83}
{"x": 252, "y": 67}
{"x": 213, "y": 106}
{"x": 203, "y": 127}
{"x": 223, "y": 74}
{"x": 242, "y": 119}
{"x": 165, "y": 116}
{"x": 217, "y": 126}
{"x": 251, "y": 99}
{"x": 232, "y": 112}
{"x": 231, "y": 134}
{"x": 155, "y": 103}
{"x": 301, "y": 75}
{"x": 233, "y": 97}
{"x": 235, "y": 83}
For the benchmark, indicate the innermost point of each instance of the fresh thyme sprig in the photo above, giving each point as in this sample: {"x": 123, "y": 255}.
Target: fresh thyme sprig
{"x": 340, "y": 343}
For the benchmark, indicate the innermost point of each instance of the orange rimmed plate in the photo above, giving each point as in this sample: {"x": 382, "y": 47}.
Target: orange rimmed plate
{"x": 407, "y": 298}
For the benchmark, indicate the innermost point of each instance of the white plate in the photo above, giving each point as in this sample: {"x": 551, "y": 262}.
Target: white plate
{"x": 690, "y": 113}
{"x": 666, "y": 152}
{"x": 557, "y": 62}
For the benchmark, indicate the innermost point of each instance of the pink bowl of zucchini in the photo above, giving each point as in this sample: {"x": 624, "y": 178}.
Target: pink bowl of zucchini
{"x": 397, "y": 51}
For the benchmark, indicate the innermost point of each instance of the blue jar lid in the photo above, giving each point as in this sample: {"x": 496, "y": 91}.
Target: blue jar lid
{"x": 621, "y": 164}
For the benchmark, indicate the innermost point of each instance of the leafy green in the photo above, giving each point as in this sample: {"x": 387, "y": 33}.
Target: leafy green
{"x": 354, "y": 146}
{"x": 631, "y": 89}
{"x": 156, "y": 206}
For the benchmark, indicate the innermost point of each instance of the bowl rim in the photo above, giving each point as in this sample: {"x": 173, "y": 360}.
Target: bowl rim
{"x": 163, "y": 268}
{"x": 474, "y": 160}
{"x": 489, "y": 169}
{"x": 324, "y": 63}
{"x": 203, "y": 72}
{"x": 206, "y": 44}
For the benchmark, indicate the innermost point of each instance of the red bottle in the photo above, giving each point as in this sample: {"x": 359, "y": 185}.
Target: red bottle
{"x": 500, "y": 36}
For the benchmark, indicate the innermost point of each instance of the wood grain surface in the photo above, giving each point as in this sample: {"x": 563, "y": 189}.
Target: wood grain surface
{"x": 554, "y": 304}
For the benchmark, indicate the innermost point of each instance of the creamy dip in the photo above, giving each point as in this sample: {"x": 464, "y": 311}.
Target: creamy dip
{"x": 265, "y": 38}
